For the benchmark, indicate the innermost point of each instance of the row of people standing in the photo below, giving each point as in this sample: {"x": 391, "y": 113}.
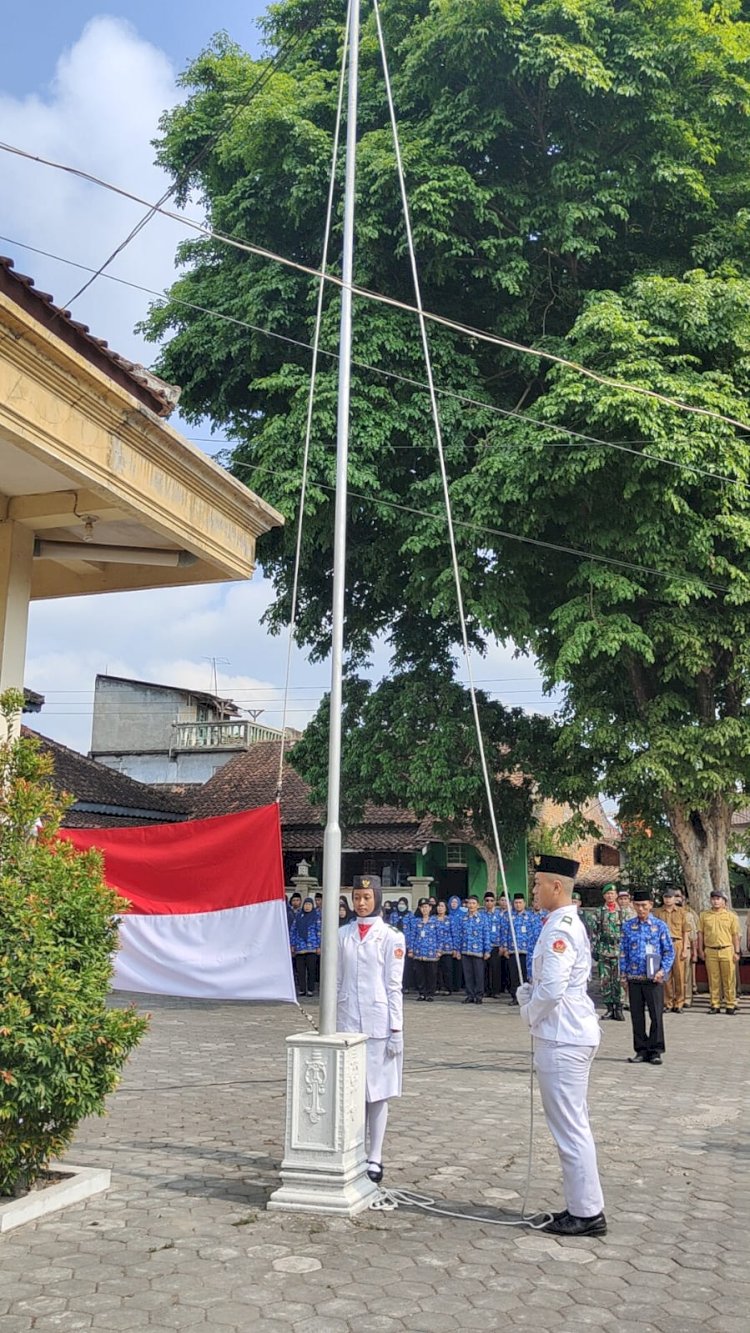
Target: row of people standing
{"x": 455, "y": 943}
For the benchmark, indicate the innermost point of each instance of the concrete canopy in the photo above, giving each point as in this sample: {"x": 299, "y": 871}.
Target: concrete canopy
{"x": 87, "y": 459}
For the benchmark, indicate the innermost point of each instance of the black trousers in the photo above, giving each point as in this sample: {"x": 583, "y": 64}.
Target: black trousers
{"x": 305, "y": 964}
{"x": 505, "y": 975}
{"x": 445, "y": 972}
{"x": 494, "y": 973}
{"x": 473, "y": 975}
{"x": 647, "y": 995}
{"x": 425, "y": 975}
{"x": 515, "y": 980}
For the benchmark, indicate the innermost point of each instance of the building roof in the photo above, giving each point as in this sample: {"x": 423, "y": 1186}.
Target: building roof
{"x": 227, "y": 706}
{"x": 103, "y": 797}
{"x": 249, "y": 780}
{"x": 741, "y": 818}
{"x": 161, "y": 398}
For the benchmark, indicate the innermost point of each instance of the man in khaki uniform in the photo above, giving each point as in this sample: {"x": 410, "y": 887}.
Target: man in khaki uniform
{"x": 719, "y": 945}
{"x": 676, "y": 922}
{"x": 692, "y": 920}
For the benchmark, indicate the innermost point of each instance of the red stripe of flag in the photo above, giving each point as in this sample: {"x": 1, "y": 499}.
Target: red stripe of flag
{"x": 206, "y": 865}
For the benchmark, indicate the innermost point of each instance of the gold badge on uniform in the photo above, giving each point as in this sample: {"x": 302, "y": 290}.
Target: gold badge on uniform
{"x": 559, "y": 946}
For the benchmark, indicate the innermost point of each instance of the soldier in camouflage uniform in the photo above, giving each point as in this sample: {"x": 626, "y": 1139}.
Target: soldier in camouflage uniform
{"x": 605, "y": 945}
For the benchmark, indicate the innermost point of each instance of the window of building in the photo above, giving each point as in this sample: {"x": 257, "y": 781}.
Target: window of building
{"x": 455, "y": 854}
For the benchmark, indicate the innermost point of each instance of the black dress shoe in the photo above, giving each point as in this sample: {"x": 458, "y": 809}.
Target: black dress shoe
{"x": 568, "y": 1225}
{"x": 732, "y": 1011}
{"x": 655, "y": 1059}
{"x": 477, "y": 1001}
{"x": 375, "y": 1171}
{"x": 640, "y": 1058}
{"x": 468, "y": 1000}
{"x": 714, "y": 1011}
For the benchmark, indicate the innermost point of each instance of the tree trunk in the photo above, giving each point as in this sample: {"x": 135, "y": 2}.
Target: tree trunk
{"x": 489, "y": 857}
{"x": 702, "y": 841}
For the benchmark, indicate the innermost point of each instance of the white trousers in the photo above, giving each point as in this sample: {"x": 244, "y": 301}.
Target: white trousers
{"x": 563, "y": 1076}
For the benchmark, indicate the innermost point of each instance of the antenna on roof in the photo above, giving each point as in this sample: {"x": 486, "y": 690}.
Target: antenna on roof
{"x": 215, "y": 662}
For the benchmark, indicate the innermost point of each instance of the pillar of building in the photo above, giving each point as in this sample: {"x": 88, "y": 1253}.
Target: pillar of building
{"x": 420, "y": 887}
{"x": 16, "y": 560}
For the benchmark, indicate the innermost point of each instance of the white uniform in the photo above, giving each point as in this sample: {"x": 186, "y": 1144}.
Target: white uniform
{"x": 566, "y": 1033}
{"x": 369, "y": 999}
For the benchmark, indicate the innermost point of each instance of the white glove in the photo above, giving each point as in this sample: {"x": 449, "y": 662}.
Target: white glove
{"x": 523, "y": 994}
{"x": 395, "y": 1044}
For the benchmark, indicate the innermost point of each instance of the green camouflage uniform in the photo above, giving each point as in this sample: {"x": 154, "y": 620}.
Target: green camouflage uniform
{"x": 605, "y": 945}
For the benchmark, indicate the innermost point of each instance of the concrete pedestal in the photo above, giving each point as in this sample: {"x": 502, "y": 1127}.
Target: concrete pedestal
{"x": 324, "y": 1166}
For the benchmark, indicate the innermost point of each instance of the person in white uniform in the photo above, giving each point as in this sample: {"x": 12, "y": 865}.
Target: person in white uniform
{"x": 369, "y": 1000}
{"x": 562, "y": 1019}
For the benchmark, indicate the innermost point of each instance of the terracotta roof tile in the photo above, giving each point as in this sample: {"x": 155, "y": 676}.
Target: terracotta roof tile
{"x": 249, "y": 780}
{"x": 161, "y": 398}
{"x": 115, "y": 796}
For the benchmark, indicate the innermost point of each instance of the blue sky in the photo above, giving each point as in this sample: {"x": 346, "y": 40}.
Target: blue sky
{"x": 38, "y": 32}
{"x": 87, "y": 85}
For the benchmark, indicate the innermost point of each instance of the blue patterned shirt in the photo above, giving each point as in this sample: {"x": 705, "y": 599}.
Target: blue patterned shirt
{"x": 473, "y": 935}
{"x": 494, "y": 926}
{"x": 423, "y": 938}
{"x": 639, "y": 936}
{"x": 524, "y": 929}
{"x": 445, "y": 935}
{"x": 312, "y": 943}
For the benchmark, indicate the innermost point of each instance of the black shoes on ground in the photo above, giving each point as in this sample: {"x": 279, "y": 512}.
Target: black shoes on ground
{"x": 375, "y": 1171}
{"x": 565, "y": 1224}
{"x": 644, "y": 1058}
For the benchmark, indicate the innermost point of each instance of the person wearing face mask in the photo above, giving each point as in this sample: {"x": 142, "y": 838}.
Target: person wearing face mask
{"x": 402, "y": 920}
{"x": 369, "y": 1000}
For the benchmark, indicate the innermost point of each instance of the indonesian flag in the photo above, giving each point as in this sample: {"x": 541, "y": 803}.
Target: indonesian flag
{"x": 207, "y": 915}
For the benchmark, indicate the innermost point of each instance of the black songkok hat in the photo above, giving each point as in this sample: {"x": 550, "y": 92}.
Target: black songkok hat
{"x": 370, "y": 882}
{"x": 556, "y": 865}
{"x": 643, "y": 896}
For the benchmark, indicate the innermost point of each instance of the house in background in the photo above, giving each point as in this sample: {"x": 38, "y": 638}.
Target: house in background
{"x": 389, "y": 841}
{"x": 104, "y": 799}
{"x": 598, "y": 854}
{"x": 165, "y": 734}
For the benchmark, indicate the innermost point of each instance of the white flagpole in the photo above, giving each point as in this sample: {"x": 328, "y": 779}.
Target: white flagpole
{"x": 332, "y": 837}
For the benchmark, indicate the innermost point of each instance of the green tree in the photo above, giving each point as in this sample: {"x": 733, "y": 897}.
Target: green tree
{"x": 61, "y": 1047}
{"x": 412, "y": 742}
{"x": 578, "y": 180}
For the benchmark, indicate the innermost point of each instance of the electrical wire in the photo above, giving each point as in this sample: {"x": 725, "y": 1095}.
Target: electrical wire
{"x": 253, "y": 91}
{"x": 488, "y": 531}
{"x": 465, "y": 330}
{"x": 465, "y": 399}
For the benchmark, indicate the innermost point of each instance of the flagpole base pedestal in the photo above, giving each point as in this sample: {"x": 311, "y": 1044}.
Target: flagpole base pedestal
{"x": 325, "y": 1168}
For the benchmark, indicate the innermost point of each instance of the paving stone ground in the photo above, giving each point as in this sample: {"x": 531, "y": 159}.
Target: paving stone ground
{"x": 195, "y": 1136}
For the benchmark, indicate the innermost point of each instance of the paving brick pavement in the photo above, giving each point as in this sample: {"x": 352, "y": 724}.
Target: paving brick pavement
{"x": 194, "y": 1137}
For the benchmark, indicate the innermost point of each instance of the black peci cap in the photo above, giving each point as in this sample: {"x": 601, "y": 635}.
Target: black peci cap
{"x": 556, "y": 865}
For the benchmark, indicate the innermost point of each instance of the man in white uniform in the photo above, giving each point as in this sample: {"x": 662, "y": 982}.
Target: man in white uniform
{"x": 370, "y": 980}
{"x": 556, "y": 1007}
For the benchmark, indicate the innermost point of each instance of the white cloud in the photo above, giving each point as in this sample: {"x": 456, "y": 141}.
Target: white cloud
{"x": 100, "y": 114}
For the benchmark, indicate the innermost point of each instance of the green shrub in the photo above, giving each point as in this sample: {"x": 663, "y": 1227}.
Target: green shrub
{"x": 61, "y": 1048}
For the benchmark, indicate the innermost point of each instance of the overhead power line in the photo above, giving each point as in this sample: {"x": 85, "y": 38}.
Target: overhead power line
{"x": 466, "y": 400}
{"x": 465, "y": 330}
{"x": 255, "y": 88}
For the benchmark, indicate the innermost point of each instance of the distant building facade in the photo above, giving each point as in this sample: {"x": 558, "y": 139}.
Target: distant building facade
{"x": 165, "y": 734}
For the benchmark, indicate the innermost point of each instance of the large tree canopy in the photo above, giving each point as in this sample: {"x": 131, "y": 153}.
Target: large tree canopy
{"x": 578, "y": 176}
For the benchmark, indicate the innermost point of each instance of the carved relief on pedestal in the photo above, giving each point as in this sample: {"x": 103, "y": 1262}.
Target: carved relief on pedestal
{"x": 316, "y": 1078}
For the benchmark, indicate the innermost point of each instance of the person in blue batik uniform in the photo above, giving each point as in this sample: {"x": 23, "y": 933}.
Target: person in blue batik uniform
{"x": 456, "y": 912}
{"x": 474, "y": 947}
{"x": 446, "y": 948}
{"x": 523, "y": 928}
{"x": 646, "y": 958}
{"x": 537, "y": 925}
{"x": 305, "y": 941}
{"x": 494, "y": 918}
{"x": 424, "y": 950}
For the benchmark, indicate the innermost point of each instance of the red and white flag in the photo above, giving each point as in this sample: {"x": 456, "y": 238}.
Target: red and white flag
{"x": 207, "y": 915}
